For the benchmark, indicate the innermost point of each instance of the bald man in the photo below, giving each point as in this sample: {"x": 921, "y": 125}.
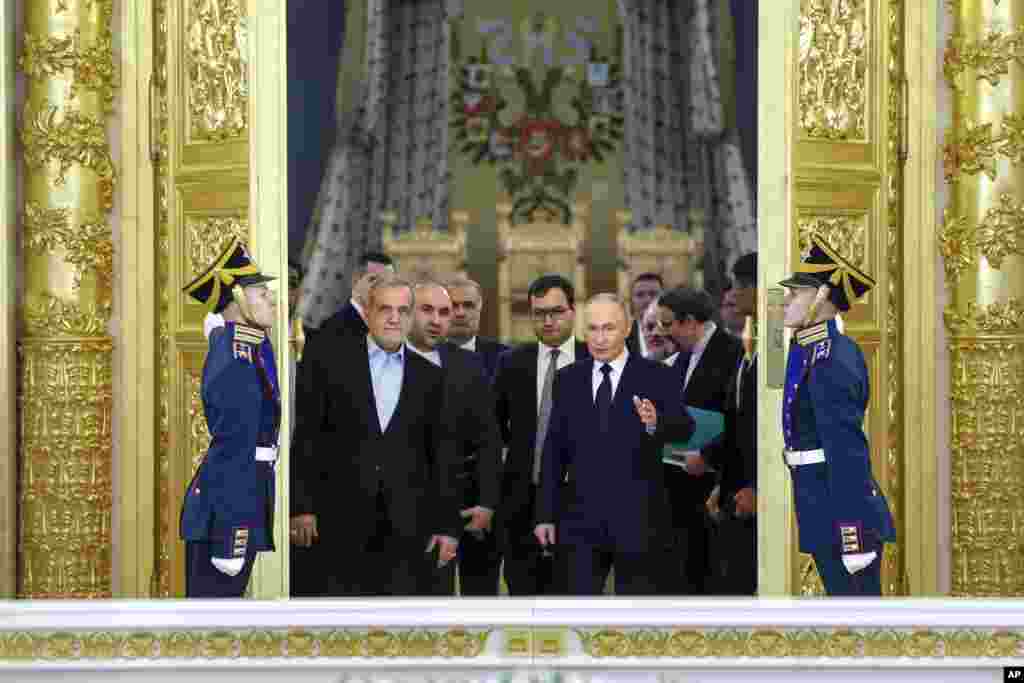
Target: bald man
{"x": 611, "y": 416}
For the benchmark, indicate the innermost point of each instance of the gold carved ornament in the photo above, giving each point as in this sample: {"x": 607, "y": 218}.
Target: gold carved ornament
{"x": 218, "y": 80}
{"x": 989, "y": 57}
{"x": 208, "y": 236}
{"x": 996, "y": 318}
{"x": 976, "y": 148}
{"x": 92, "y": 67}
{"x": 832, "y": 67}
{"x": 846, "y": 234}
{"x": 998, "y": 235}
{"x": 88, "y": 245}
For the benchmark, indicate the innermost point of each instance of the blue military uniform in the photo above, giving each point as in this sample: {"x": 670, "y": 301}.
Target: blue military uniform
{"x": 840, "y": 508}
{"x": 228, "y": 509}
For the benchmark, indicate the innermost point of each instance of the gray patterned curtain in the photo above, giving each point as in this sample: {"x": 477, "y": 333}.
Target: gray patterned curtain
{"x": 391, "y": 148}
{"x": 680, "y": 156}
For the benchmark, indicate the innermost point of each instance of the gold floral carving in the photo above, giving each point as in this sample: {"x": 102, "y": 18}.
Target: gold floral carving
{"x": 799, "y": 643}
{"x": 215, "y": 57}
{"x": 74, "y": 138}
{"x": 50, "y": 316}
{"x": 997, "y": 318}
{"x": 86, "y": 245}
{"x": 66, "y": 405}
{"x": 846, "y": 234}
{"x": 832, "y": 69}
{"x": 249, "y": 643}
{"x": 1000, "y": 234}
{"x": 989, "y": 57}
{"x": 810, "y": 584}
{"x": 208, "y": 236}
{"x": 975, "y": 148}
{"x": 92, "y": 67}
{"x": 198, "y": 435}
{"x": 987, "y": 448}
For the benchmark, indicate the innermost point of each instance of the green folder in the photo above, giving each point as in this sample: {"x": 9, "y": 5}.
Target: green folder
{"x": 708, "y": 426}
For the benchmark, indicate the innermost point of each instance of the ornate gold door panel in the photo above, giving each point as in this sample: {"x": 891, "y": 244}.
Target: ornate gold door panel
{"x": 982, "y": 241}
{"x": 201, "y": 115}
{"x": 65, "y": 348}
{"x": 847, "y": 183}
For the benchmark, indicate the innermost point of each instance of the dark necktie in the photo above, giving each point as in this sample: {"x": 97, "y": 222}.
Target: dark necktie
{"x": 604, "y": 398}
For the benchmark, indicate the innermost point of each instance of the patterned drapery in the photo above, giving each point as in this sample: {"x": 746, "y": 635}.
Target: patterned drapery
{"x": 680, "y": 156}
{"x": 391, "y": 148}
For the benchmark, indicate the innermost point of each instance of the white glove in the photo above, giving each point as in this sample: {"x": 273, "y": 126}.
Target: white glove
{"x": 230, "y": 567}
{"x": 857, "y": 561}
{"x": 212, "y": 322}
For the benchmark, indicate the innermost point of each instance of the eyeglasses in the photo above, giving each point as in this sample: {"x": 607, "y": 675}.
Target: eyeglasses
{"x": 552, "y": 313}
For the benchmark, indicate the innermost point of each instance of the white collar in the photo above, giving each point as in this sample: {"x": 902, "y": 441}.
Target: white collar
{"x": 617, "y": 365}
{"x": 709, "y": 329}
{"x": 567, "y": 349}
{"x": 470, "y": 345}
{"x": 671, "y": 360}
{"x": 373, "y": 349}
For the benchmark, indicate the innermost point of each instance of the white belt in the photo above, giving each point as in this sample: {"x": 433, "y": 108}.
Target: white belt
{"x": 266, "y": 453}
{"x": 797, "y": 458}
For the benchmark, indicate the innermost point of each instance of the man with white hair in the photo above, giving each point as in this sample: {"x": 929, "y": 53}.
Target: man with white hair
{"x": 658, "y": 343}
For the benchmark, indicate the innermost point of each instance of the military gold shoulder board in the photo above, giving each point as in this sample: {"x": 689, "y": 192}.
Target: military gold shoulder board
{"x": 243, "y": 351}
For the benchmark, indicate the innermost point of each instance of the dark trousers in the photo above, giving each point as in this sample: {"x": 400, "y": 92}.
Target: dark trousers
{"x": 687, "y": 496}
{"x": 734, "y": 555}
{"x": 203, "y": 580}
{"x": 479, "y": 565}
{"x": 636, "y": 572}
{"x": 529, "y": 569}
{"x": 387, "y": 564}
{"x": 839, "y": 582}
{"x": 307, "y": 572}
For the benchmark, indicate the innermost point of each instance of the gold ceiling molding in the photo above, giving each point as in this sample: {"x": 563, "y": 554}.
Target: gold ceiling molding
{"x": 216, "y": 63}
{"x": 975, "y": 148}
{"x": 87, "y": 245}
{"x": 66, "y": 140}
{"x": 998, "y": 318}
{"x": 989, "y": 57}
{"x": 92, "y": 67}
{"x": 832, "y": 69}
{"x": 999, "y": 234}
{"x": 255, "y": 643}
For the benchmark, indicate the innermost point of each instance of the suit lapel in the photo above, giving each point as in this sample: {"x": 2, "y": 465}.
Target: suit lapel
{"x": 371, "y": 400}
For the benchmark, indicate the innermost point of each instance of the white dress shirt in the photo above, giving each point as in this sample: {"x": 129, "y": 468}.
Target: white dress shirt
{"x": 698, "y": 350}
{"x": 617, "y": 365}
{"x": 470, "y": 345}
{"x": 433, "y": 356}
{"x": 567, "y": 356}
{"x": 671, "y": 360}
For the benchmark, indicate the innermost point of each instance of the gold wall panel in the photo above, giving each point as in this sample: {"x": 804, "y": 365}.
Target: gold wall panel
{"x": 848, "y": 164}
{"x": 65, "y": 400}
{"x": 982, "y": 241}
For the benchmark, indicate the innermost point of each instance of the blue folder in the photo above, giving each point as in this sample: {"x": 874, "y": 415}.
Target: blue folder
{"x": 708, "y": 426}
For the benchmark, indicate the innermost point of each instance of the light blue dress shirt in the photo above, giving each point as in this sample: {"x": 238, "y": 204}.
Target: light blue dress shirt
{"x": 386, "y": 372}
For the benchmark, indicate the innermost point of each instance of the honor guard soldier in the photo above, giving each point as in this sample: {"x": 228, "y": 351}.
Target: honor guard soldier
{"x": 227, "y": 514}
{"x": 843, "y": 518}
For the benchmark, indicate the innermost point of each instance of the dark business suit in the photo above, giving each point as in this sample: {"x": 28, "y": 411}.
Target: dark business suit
{"x": 489, "y": 350}
{"x": 708, "y": 389}
{"x": 613, "y": 508}
{"x": 306, "y": 568}
{"x": 378, "y": 496}
{"x": 633, "y": 340}
{"x": 734, "y": 548}
{"x": 515, "y": 391}
{"x": 470, "y": 423}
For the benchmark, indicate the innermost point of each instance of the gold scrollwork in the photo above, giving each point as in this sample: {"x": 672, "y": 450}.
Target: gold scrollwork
{"x": 832, "y": 69}
{"x": 1000, "y": 234}
{"x": 198, "y": 433}
{"x": 208, "y": 236}
{"x": 990, "y": 57}
{"x": 66, "y": 407}
{"x": 87, "y": 245}
{"x": 218, "y": 90}
{"x": 997, "y": 318}
{"x": 73, "y": 138}
{"x": 975, "y": 148}
{"x": 810, "y": 584}
{"x": 846, "y": 234}
{"x": 92, "y": 66}
{"x": 51, "y": 316}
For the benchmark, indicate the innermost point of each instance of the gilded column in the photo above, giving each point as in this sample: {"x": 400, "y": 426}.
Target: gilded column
{"x": 982, "y": 242}
{"x": 65, "y": 348}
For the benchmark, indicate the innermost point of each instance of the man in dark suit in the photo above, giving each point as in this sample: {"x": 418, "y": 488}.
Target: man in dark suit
{"x": 468, "y": 415}
{"x": 352, "y": 316}
{"x": 349, "y": 320}
{"x": 645, "y": 289}
{"x": 373, "y": 474}
{"x": 706, "y": 366}
{"x": 734, "y": 547}
{"x": 523, "y": 383}
{"x": 467, "y": 305}
{"x": 603, "y": 497}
